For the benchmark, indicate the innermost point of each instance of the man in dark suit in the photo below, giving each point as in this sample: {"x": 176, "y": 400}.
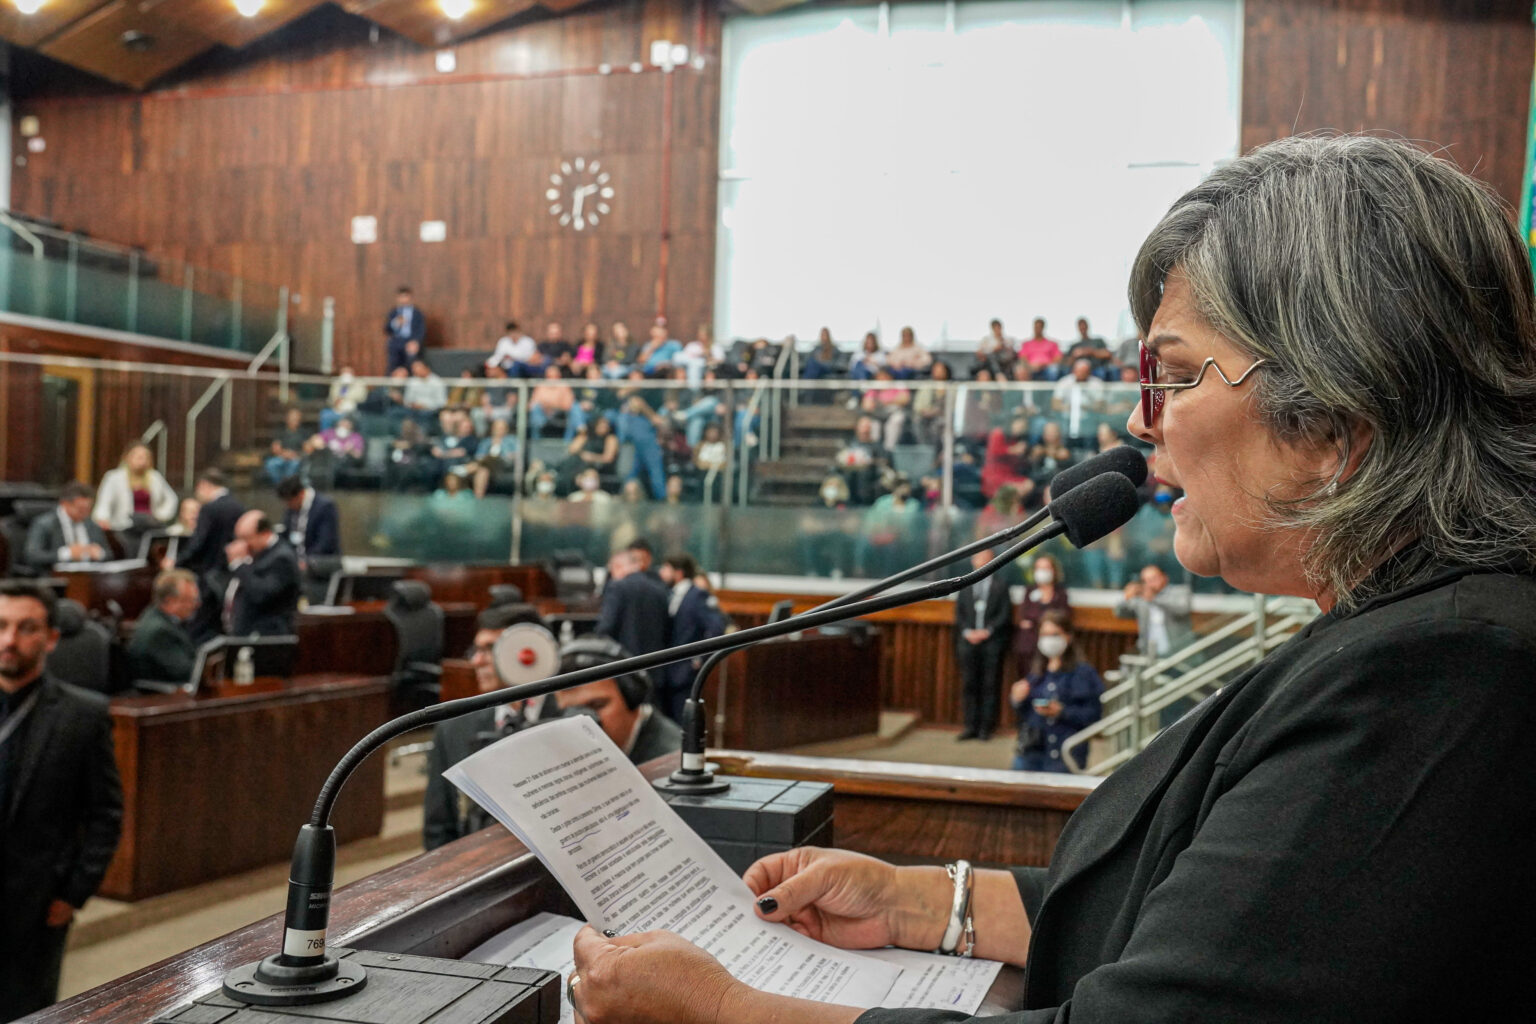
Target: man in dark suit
{"x": 646, "y": 558}
{"x": 203, "y": 553}
{"x": 446, "y": 813}
{"x": 312, "y": 526}
{"x": 261, "y": 594}
{"x": 161, "y": 648}
{"x": 61, "y": 802}
{"x": 634, "y": 610}
{"x": 405, "y": 329}
{"x": 67, "y": 534}
{"x": 694, "y": 617}
{"x": 983, "y": 631}
{"x": 622, "y": 705}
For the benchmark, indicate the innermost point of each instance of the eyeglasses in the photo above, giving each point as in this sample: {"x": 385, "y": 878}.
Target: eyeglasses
{"x": 1153, "y": 393}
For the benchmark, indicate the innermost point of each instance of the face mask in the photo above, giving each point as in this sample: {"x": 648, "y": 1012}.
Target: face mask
{"x": 830, "y": 494}
{"x": 588, "y": 484}
{"x": 1045, "y": 577}
{"x": 1162, "y": 497}
{"x": 343, "y": 432}
{"x": 546, "y": 487}
{"x": 1053, "y": 646}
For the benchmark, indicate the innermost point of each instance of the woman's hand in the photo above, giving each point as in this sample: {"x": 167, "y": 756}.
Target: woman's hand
{"x": 1019, "y": 691}
{"x": 648, "y": 978}
{"x": 850, "y": 900}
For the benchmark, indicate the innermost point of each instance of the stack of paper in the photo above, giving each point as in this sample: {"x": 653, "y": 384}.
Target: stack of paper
{"x": 631, "y": 865}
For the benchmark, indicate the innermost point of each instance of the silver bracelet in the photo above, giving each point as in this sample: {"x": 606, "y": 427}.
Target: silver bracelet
{"x": 960, "y": 934}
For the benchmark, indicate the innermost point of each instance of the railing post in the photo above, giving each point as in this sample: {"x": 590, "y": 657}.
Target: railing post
{"x": 328, "y": 336}
{"x": 226, "y": 413}
{"x": 947, "y": 484}
{"x": 521, "y": 461}
{"x": 187, "y": 277}
{"x": 1134, "y": 729}
{"x": 72, "y": 279}
{"x": 282, "y": 310}
{"x": 133, "y": 297}
{"x": 236, "y": 325}
{"x": 284, "y": 355}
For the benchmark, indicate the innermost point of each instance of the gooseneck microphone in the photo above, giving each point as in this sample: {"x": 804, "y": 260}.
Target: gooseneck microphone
{"x": 693, "y": 775}
{"x": 304, "y": 972}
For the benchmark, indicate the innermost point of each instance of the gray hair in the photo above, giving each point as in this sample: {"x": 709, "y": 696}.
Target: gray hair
{"x": 1390, "y": 291}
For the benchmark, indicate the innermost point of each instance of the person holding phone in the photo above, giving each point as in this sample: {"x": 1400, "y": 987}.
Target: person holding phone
{"x": 1059, "y": 697}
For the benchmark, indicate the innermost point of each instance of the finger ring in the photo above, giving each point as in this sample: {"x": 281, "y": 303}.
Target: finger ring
{"x": 570, "y": 987}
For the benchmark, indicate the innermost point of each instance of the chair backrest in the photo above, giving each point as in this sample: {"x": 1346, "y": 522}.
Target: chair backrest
{"x": 418, "y": 623}
{"x": 84, "y": 652}
{"x": 14, "y": 532}
{"x": 574, "y": 578}
{"x": 505, "y": 593}
{"x": 346, "y": 587}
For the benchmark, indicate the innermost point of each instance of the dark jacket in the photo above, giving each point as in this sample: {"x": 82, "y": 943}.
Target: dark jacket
{"x": 634, "y": 612}
{"x": 446, "y": 813}
{"x": 215, "y": 529}
{"x": 416, "y": 330}
{"x": 322, "y": 530}
{"x": 658, "y": 735}
{"x": 696, "y": 619}
{"x": 997, "y": 614}
{"x": 64, "y": 808}
{"x": 1079, "y": 691}
{"x": 46, "y": 536}
{"x": 1340, "y": 835}
{"x": 161, "y": 649}
{"x": 268, "y": 595}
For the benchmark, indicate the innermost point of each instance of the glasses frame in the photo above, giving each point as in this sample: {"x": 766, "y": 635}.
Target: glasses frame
{"x": 1153, "y": 395}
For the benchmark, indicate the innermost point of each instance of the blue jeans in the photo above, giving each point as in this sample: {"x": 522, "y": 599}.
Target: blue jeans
{"x": 280, "y": 469}
{"x": 698, "y": 416}
{"x": 1038, "y": 761}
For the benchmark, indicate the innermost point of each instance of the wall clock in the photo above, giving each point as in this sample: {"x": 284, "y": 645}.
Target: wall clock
{"x": 579, "y": 193}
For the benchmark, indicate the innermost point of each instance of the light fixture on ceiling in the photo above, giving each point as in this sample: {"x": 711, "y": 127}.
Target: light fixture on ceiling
{"x": 28, "y": 6}
{"x": 249, "y": 8}
{"x": 455, "y": 9}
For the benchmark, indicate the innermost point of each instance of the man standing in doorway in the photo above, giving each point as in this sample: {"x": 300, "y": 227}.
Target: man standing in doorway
{"x": 61, "y": 802}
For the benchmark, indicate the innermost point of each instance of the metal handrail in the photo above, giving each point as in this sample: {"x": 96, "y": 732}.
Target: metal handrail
{"x": 1150, "y": 689}
{"x": 158, "y": 430}
{"x": 189, "y": 472}
{"x": 24, "y": 231}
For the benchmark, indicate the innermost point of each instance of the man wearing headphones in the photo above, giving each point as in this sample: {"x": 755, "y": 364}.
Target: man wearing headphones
{"x": 447, "y": 814}
{"x": 622, "y": 705}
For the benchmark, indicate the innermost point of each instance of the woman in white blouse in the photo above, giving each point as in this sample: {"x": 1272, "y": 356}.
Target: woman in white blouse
{"x": 134, "y": 488}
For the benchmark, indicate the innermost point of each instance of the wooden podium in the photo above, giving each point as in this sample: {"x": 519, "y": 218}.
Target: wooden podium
{"x": 446, "y": 902}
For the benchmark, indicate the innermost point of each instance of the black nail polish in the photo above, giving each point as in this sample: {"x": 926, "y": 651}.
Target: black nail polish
{"x": 609, "y": 933}
{"x": 767, "y": 904}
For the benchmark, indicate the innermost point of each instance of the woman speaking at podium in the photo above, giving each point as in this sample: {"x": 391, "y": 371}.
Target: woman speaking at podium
{"x": 1339, "y": 370}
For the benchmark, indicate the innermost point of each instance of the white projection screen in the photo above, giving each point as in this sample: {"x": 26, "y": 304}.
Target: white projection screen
{"x": 936, "y": 165}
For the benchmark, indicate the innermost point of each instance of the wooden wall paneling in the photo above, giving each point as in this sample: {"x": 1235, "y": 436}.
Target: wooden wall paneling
{"x": 95, "y": 44}
{"x": 1453, "y": 74}
{"x": 256, "y": 162}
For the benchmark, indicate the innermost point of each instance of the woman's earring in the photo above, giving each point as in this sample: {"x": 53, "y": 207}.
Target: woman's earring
{"x": 1331, "y": 489}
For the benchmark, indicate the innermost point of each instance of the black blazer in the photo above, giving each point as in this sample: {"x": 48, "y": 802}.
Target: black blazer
{"x": 268, "y": 595}
{"x": 64, "y": 813}
{"x": 46, "y": 535}
{"x": 204, "y": 550}
{"x": 996, "y": 616}
{"x": 161, "y": 649}
{"x": 322, "y": 530}
{"x": 417, "y": 326}
{"x": 695, "y": 620}
{"x": 1342, "y": 834}
{"x": 634, "y": 612}
{"x": 446, "y": 814}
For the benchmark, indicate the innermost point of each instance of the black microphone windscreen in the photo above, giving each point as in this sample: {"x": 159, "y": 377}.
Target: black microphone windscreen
{"x": 1122, "y": 459}
{"x": 1096, "y": 508}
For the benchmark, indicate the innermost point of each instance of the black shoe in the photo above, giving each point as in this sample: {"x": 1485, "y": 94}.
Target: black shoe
{"x": 985, "y": 736}
{"x": 967, "y": 735}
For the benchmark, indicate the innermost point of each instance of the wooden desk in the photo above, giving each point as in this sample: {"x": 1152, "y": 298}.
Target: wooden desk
{"x": 786, "y": 692}
{"x": 130, "y": 589}
{"x": 217, "y": 785}
{"x": 363, "y": 642}
{"x": 446, "y": 902}
{"x": 473, "y": 582}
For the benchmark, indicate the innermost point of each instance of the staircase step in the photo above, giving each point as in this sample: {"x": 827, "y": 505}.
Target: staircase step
{"x": 820, "y": 418}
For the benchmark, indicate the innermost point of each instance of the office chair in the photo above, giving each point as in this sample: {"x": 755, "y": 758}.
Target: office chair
{"x": 418, "y": 626}
{"x": 83, "y": 656}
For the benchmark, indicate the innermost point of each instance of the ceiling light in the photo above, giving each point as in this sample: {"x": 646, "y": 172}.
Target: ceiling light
{"x": 455, "y": 9}
{"x": 249, "y": 8}
{"x": 28, "y": 6}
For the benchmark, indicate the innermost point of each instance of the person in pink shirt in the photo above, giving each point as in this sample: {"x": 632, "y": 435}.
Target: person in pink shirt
{"x": 1039, "y": 351}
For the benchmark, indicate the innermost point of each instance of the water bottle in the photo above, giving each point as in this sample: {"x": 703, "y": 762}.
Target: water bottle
{"x": 245, "y": 667}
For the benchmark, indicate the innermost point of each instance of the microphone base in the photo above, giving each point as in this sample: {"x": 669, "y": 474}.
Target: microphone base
{"x": 681, "y": 783}
{"x": 270, "y": 983}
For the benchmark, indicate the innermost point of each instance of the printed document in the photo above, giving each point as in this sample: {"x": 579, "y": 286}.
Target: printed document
{"x": 631, "y": 864}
